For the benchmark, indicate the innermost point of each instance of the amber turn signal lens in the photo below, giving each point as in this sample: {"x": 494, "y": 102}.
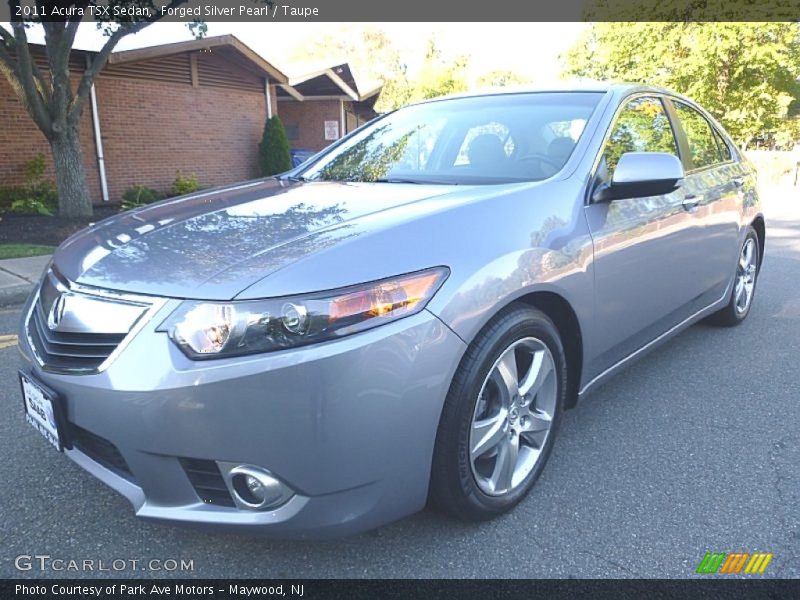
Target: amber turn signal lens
{"x": 386, "y": 299}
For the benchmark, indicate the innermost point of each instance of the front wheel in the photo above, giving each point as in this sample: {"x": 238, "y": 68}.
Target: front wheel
{"x": 500, "y": 416}
{"x": 744, "y": 283}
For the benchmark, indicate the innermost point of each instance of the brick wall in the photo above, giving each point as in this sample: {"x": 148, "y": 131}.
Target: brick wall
{"x": 154, "y": 122}
{"x": 21, "y": 140}
{"x": 153, "y": 129}
{"x": 309, "y": 118}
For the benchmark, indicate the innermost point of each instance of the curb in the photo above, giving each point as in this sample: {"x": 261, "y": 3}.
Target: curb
{"x": 15, "y": 294}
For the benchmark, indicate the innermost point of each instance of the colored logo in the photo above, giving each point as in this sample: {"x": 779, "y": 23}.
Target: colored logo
{"x": 735, "y": 562}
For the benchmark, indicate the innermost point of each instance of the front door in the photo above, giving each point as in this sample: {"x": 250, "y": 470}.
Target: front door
{"x": 641, "y": 245}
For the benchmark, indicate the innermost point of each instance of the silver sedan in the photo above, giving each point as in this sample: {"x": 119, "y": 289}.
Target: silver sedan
{"x": 402, "y": 319}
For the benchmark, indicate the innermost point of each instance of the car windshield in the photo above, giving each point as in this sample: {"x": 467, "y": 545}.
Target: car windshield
{"x": 500, "y": 138}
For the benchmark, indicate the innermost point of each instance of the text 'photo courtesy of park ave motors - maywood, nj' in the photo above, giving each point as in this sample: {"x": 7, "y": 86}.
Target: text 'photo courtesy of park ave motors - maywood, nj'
{"x": 159, "y": 590}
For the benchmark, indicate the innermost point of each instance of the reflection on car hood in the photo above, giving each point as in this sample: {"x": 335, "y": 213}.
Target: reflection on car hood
{"x": 213, "y": 244}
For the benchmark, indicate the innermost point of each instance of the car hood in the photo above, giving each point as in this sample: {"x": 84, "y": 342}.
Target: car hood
{"x": 214, "y": 244}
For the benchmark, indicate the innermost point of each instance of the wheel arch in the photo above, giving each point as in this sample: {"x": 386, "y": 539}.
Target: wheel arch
{"x": 560, "y": 311}
{"x": 564, "y": 317}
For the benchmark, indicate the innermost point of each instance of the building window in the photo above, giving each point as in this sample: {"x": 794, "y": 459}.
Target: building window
{"x": 293, "y": 131}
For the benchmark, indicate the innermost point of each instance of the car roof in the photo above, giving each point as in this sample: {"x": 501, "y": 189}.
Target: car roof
{"x": 616, "y": 88}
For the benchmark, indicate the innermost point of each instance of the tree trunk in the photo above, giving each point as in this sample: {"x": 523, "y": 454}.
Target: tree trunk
{"x": 73, "y": 193}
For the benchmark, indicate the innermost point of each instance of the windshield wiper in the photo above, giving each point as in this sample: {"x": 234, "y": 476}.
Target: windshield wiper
{"x": 396, "y": 180}
{"x": 295, "y": 178}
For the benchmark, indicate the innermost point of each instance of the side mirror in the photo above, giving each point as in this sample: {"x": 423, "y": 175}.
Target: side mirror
{"x": 642, "y": 174}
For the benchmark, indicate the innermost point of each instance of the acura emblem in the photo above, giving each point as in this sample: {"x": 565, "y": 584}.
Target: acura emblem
{"x": 56, "y": 312}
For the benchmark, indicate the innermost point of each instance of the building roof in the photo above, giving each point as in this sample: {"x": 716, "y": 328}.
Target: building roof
{"x": 333, "y": 79}
{"x": 328, "y": 79}
{"x": 229, "y": 46}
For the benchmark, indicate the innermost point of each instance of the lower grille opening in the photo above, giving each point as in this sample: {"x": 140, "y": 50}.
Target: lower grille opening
{"x": 101, "y": 451}
{"x": 207, "y": 481}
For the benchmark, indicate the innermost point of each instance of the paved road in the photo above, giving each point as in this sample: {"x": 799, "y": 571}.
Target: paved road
{"x": 694, "y": 448}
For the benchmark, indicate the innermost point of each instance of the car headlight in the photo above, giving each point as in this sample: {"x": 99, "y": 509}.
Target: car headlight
{"x": 204, "y": 330}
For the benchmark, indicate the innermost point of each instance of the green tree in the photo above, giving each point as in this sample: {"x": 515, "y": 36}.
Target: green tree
{"x": 745, "y": 74}
{"x": 372, "y": 56}
{"x": 439, "y": 76}
{"x": 501, "y": 78}
{"x": 380, "y": 60}
{"x": 273, "y": 151}
{"x": 48, "y": 94}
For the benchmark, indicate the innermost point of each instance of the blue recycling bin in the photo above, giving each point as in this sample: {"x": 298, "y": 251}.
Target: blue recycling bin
{"x": 300, "y": 156}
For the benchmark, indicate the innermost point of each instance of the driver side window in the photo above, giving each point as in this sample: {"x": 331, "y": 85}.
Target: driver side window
{"x": 642, "y": 126}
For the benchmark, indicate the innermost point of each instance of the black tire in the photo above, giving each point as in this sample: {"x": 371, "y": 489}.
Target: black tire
{"x": 731, "y": 315}
{"x": 453, "y": 488}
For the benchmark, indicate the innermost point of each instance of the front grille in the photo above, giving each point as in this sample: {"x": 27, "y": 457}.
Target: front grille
{"x": 207, "y": 481}
{"x": 75, "y": 330}
{"x": 100, "y": 450}
{"x": 69, "y": 351}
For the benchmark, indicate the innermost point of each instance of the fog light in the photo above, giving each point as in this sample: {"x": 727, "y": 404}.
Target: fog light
{"x": 255, "y": 488}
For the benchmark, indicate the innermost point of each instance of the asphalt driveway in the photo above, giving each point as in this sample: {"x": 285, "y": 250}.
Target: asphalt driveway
{"x": 695, "y": 448}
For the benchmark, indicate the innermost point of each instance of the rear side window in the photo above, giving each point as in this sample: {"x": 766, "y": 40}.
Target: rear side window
{"x": 724, "y": 149}
{"x": 703, "y": 148}
{"x": 642, "y": 126}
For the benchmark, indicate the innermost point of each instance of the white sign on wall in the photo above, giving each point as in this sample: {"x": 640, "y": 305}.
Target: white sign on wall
{"x": 331, "y": 130}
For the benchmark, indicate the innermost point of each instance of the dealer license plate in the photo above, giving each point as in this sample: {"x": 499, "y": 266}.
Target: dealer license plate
{"x": 40, "y": 410}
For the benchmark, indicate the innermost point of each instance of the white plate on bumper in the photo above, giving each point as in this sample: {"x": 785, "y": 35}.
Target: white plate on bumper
{"x": 41, "y": 410}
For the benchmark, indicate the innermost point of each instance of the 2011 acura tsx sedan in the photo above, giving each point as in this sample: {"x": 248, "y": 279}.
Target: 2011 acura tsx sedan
{"x": 403, "y": 318}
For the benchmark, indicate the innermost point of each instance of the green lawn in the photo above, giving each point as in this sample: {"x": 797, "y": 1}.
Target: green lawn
{"x": 21, "y": 250}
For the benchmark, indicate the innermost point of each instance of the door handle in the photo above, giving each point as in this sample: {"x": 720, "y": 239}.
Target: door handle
{"x": 691, "y": 201}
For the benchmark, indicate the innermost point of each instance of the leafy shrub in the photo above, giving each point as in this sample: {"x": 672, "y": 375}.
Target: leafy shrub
{"x": 273, "y": 151}
{"x": 10, "y": 194}
{"x": 34, "y": 170}
{"x": 139, "y": 195}
{"x": 31, "y": 206}
{"x": 36, "y": 196}
{"x": 184, "y": 185}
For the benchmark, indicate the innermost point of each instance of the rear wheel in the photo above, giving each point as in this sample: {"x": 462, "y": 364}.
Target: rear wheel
{"x": 500, "y": 417}
{"x": 744, "y": 284}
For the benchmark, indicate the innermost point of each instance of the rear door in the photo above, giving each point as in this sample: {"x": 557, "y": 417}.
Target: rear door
{"x": 713, "y": 186}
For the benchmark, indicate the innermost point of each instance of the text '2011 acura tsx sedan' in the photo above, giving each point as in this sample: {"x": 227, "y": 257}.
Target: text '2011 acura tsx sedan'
{"x": 403, "y": 318}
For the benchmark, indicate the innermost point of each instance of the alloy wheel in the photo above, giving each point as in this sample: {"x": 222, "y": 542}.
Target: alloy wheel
{"x": 513, "y": 416}
{"x": 745, "y": 276}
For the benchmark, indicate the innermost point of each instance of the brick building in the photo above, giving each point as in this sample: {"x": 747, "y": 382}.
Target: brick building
{"x": 197, "y": 107}
{"x": 320, "y": 102}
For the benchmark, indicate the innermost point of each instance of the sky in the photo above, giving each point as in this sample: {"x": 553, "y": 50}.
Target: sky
{"x": 530, "y": 49}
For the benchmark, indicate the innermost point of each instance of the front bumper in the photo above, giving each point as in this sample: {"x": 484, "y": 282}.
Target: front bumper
{"x": 349, "y": 425}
